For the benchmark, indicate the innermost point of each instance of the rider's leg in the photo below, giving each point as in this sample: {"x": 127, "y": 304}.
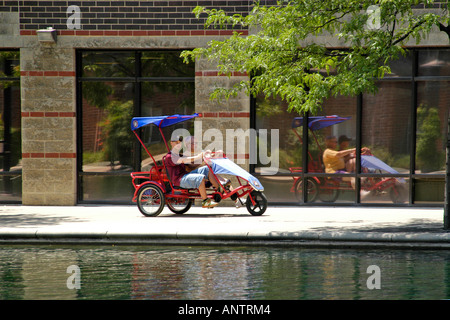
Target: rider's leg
{"x": 204, "y": 170}
{"x": 206, "y": 203}
{"x": 202, "y": 190}
{"x": 213, "y": 180}
{"x": 350, "y": 165}
{"x": 197, "y": 181}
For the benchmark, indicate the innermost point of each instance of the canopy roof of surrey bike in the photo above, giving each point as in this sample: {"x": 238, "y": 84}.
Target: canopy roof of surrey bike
{"x": 319, "y": 122}
{"x": 160, "y": 121}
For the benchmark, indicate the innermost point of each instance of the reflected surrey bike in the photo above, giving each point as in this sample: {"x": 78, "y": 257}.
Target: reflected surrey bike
{"x": 327, "y": 188}
{"x": 153, "y": 189}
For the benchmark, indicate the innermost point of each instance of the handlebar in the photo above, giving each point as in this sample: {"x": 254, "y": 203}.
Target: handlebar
{"x": 207, "y": 155}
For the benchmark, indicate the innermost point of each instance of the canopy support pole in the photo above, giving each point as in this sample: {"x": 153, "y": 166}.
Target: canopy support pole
{"x": 447, "y": 181}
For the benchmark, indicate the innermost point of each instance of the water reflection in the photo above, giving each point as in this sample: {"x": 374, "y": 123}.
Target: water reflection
{"x": 221, "y": 273}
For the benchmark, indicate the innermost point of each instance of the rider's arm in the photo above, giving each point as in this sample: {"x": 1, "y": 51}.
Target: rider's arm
{"x": 344, "y": 153}
{"x": 196, "y": 159}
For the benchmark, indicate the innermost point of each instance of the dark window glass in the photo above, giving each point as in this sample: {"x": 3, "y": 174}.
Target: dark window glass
{"x": 334, "y": 136}
{"x": 386, "y": 131}
{"x": 434, "y": 63}
{"x": 108, "y": 64}
{"x": 10, "y": 128}
{"x": 164, "y": 98}
{"x": 386, "y": 128}
{"x": 9, "y": 64}
{"x": 272, "y": 118}
{"x": 162, "y": 85}
{"x": 104, "y": 188}
{"x": 107, "y": 138}
{"x": 401, "y": 67}
{"x": 429, "y": 190}
{"x": 433, "y": 106}
{"x": 165, "y": 64}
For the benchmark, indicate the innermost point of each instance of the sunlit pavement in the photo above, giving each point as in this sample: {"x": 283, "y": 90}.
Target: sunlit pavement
{"x": 280, "y": 225}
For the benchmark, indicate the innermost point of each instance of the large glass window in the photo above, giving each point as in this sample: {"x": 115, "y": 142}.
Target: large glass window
{"x": 386, "y": 132}
{"x": 336, "y": 133}
{"x": 433, "y": 105}
{"x": 115, "y": 86}
{"x": 399, "y": 133}
{"x": 10, "y": 128}
{"x": 273, "y": 119}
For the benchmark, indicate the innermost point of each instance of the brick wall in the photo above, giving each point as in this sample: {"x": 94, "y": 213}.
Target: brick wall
{"x": 122, "y": 17}
{"x": 128, "y": 18}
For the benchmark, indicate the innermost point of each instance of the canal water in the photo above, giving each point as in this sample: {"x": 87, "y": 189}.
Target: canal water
{"x": 244, "y": 273}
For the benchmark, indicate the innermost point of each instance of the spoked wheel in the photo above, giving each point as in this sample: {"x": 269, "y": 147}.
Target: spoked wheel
{"x": 150, "y": 200}
{"x": 312, "y": 190}
{"x": 398, "y": 193}
{"x": 179, "y": 206}
{"x": 329, "y": 191}
{"x": 260, "y": 205}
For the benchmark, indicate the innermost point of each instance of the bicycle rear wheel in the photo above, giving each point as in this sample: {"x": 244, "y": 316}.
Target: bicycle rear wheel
{"x": 150, "y": 200}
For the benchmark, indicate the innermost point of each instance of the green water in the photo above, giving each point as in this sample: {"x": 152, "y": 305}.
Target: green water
{"x": 146, "y": 272}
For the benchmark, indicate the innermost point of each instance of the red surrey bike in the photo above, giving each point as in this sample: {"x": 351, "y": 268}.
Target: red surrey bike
{"x": 153, "y": 189}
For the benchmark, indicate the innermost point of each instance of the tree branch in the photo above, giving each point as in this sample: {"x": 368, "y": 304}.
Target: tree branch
{"x": 406, "y": 35}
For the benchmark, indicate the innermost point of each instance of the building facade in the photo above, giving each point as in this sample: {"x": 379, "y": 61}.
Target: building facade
{"x": 67, "y": 101}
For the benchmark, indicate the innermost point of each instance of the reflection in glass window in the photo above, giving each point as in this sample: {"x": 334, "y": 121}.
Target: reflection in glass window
{"x": 386, "y": 128}
{"x": 386, "y": 131}
{"x": 271, "y": 114}
{"x": 10, "y": 128}
{"x": 379, "y": 189}
{"x": 431, "y": 132}
{"x": 335, "y": 142}
{"x": 434, "y": 63}
{"x": 110, "y": 64}
{"x": 429, "y": 190}
{"x": 104, "y": 188}
{"x": 164, "y": 98}
{"x": 433, "y": 106}
{"x": 402, "y": 66}
{"x": 151, "y": 83}
{"x": 164, "y": 64}
{"x": 9, "y": 64}
{"x": 107, "y": 113}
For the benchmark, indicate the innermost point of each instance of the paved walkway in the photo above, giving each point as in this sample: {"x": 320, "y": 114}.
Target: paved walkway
{"x": 303, "y": 226}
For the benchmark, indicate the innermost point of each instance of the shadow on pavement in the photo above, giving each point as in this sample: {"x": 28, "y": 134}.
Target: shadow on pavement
{"x": 415, "y": 226}
{"x": 33, "y": 220}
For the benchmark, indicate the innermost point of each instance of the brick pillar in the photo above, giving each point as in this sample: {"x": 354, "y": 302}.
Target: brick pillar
{"x": 231, "y": 114}
{"x": 48, "y": 125}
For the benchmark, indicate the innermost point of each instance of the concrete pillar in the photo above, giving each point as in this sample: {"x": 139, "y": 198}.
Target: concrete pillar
{"x": 232, "y": 114}
{"x": 48, "y": 124}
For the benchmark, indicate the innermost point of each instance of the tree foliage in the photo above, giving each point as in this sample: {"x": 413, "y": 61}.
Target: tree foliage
{"x": 284, "y": 55}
